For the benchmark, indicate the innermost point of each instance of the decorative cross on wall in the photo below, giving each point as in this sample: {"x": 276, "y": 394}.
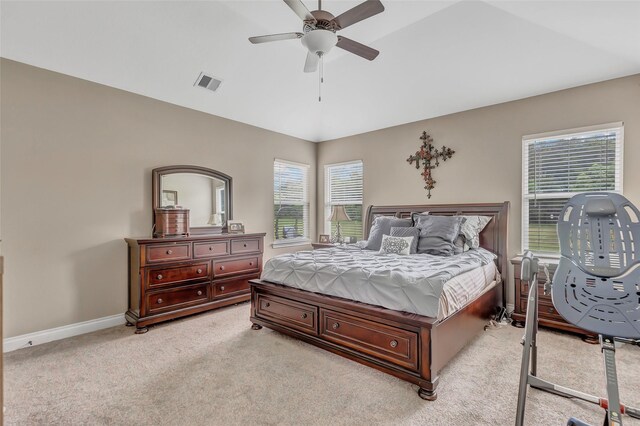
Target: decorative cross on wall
{"x": 427, "y": 153}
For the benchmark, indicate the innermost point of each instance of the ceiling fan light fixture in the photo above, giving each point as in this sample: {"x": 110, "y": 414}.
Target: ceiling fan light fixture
{"x": 319, "y": 41}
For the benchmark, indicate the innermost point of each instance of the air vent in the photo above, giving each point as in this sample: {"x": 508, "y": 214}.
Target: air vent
{"x": 207, "y": 81}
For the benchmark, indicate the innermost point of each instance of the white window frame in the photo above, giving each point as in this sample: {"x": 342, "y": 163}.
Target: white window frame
{"x": 327, "y": 192}
{"x": 526, "y": 196}
{"x": 305, "y": 239}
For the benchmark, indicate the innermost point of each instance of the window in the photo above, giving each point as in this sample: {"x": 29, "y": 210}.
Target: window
{"x": 343, "y": 186}
{"x": 557, "y": 166}
{"x": 290, "y": 202}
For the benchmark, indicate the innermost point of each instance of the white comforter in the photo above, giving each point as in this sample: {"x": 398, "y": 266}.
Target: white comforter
{"x": 411, "y": 283}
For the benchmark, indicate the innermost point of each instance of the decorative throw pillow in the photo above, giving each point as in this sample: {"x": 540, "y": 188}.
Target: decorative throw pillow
{"x": 438, "y": 233}
{"x": 407, "y": 232}
{"x": 472, "y": 227}
{"x": 381, "y": 226}
{"x": 395, "y": 245}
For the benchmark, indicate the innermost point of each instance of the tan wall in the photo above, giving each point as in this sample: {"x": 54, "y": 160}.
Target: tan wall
{"x": 488, "y": 143}
{"x": 76, "y": 179}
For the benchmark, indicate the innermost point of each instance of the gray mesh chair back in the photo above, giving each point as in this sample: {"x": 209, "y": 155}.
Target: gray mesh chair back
{"x": 597, "y": 283}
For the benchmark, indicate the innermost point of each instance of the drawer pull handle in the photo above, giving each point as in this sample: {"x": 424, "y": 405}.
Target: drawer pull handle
{"x": 199, "y": 292}
{"x": 222, "y": 268}
{"x": 159, "y": 276}
{"x": 221, "y": 288}
{"x": 210, "y": 248}
{"x": 266, "y": 305}
{"x": 304, "y": 316}
{"x": 169, "y": 251}
{"x": 335, "y": 325}
{"x": 245, "y": 244}
{"x": 199, "y": 271}
{"x": 393, "y": 343}
{"x": 250, "y": 263}
{"x": 160, "y": 301}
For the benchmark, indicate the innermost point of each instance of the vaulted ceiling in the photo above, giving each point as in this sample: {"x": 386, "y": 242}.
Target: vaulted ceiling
{"x": 437, "y": 57}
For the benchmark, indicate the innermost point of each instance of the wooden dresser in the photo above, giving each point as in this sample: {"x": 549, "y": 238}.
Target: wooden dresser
{"x": 174, "y": 277}
{"x": 548, "y": 316}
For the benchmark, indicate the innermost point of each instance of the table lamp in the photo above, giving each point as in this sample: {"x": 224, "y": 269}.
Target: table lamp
{"x": 338, "y": 214}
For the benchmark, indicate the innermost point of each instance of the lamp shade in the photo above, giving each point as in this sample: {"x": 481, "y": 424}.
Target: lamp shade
{"x": 338, "y": 214}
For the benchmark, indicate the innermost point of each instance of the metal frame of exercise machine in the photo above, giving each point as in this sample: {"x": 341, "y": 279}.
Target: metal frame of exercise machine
{"x": 596, "y": 287}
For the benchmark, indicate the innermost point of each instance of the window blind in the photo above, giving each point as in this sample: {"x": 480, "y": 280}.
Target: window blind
{"x": 290, "y": 202}
{"x": 343, "y": 186}
{"x": 557, "y": 167}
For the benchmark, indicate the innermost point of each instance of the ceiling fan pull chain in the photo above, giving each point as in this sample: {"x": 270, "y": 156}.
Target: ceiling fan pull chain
{"x": 320, "y": 78}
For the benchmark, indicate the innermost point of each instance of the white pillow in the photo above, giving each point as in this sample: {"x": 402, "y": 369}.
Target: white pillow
{"x": 396, "y": 245}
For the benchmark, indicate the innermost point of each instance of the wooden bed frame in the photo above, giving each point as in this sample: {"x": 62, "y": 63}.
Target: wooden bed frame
{"x": 412, "y": 347}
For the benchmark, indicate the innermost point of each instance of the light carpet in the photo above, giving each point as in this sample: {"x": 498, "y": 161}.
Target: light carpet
{"x": 212, "y": 369}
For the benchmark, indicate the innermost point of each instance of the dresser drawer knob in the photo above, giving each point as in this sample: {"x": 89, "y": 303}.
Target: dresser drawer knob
{"x": 159, "y": 276}
{"x": 169, "y": 251}
{"x": 335, "y": 325}
{"x": 199, "y": 292}
{"x": 199, "y": 271}
{"x": 210, "y": 248}
{"x": 304, "y": 315}
{"x": 250, "y": 263}
{"x": 266, "y": 305}
{"x": 222, "y": 268}
{"x": 393, "y": 343}
{"x": 245, "y": 244}
{"x": 221, "y": 288}
{"x": 160, "y": 301}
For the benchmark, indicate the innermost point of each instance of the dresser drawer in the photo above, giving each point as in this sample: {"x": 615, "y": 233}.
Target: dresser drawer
{"x": 169, "y": 252}
{"x": 228, "y": 267}
{"x": 287, "y": 312}
{"x": 545, "y": 310}
{"x": 231, "y": 287}
{"x": 246, "y": 245}
{"x": 381, "y": 341}
{"x": 524, "y": 291}
{"x": 157, "y": 277}
{"x": 177, "y": 298}
{"x": 210, "y": 249}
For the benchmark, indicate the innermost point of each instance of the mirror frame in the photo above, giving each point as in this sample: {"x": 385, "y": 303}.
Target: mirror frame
{"x": 156, "y": 176}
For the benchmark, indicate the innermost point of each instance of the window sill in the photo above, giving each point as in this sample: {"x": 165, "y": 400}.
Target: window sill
{"x": 293, "y": 243}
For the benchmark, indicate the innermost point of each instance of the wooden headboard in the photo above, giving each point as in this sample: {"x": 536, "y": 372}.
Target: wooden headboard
{"x": 493, "y": 238}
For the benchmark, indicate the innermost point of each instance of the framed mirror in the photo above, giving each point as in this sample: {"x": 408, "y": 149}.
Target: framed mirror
{"x": 207, "y": 193}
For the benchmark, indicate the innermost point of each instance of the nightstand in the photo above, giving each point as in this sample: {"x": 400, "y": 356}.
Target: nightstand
{"x": 547, "y": 315}
{"x": 323, "y": 245}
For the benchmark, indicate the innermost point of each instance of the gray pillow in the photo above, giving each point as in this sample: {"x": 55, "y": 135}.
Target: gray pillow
{"x": 414, "y": 217}
{"x": 459, "y": 244}
{"x": 438, "y": 234}
{"x": 382, "y": 225}
{"x": 407, "y": 232}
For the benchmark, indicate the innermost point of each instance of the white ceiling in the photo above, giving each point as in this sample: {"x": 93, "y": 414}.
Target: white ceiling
{"x": 437, "y": 57}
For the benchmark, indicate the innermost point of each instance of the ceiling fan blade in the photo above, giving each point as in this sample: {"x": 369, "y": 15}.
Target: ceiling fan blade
{"x": 274, "y": 37}
{"x": 357, "y": 48}
{"x": 362, "y": 11}
{"x": 301, "y": 10}
{"x": 311, "y": 64}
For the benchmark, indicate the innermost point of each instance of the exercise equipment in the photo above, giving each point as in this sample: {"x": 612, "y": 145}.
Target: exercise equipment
{"x": 595, "y": 287}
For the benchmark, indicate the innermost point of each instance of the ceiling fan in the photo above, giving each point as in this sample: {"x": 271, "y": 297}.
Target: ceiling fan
{"x": 319, "y": 31}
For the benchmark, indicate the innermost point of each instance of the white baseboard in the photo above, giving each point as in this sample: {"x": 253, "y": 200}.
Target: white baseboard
{"x": 39, "y": 337}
